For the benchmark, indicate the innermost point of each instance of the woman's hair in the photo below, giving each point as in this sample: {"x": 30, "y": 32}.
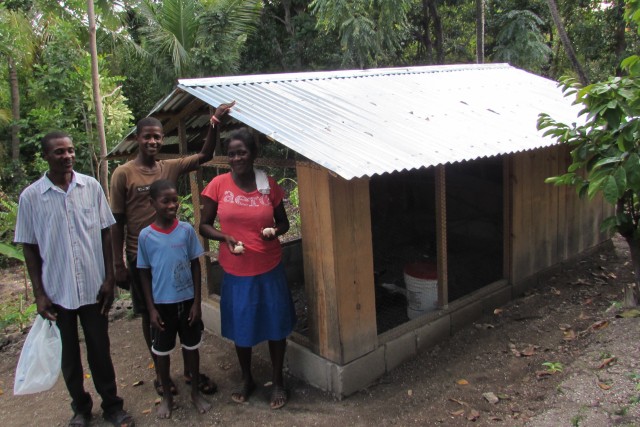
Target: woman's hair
{"x": 147, "y": 121}
{"x": 244, "y": 135}
{"x": 159, "y": 186}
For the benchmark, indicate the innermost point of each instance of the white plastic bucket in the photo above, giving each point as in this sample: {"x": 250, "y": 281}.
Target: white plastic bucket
{"x": 421, "y": 281}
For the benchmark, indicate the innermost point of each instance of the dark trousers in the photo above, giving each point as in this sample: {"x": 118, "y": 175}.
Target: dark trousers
{"x": 96, "y": 335}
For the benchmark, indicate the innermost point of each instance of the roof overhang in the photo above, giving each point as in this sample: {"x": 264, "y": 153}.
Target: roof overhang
{"x": 364, "y": 122}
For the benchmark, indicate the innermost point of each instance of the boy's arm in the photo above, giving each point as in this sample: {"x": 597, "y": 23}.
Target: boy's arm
{"x": 34, "y": 267}
{"x": 119, "y": 209}
{"x": 206, "y": 153}
{"x": 196, "y": 311}
{"x": 154, "y": 316}
{"x": 117, "y": 238}
{"x": 105, "y": 295}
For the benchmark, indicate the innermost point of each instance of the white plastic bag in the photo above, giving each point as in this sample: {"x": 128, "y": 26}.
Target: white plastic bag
{"x": 39, "y": 364}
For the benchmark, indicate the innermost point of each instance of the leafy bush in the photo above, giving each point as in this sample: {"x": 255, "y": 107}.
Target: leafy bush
{"x": 8, "y": 215}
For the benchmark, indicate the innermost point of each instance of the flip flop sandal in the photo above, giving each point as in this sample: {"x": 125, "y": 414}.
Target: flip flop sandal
{"x": 242, "y": 393}
{"x": 206, "y": 385}
{"x": 279, "y": 397}
{"x": 120, "y": 418}
{"x": 160, "y": 389}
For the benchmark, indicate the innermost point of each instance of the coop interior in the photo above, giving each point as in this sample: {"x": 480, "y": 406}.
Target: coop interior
{"x": 403, "y": 220}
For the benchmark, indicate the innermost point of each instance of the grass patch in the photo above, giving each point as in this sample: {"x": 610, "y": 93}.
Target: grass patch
{"x": 576, "y": 420}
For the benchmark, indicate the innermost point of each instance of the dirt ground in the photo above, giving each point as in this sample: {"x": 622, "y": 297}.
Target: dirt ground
{"x": 488, "y": 374}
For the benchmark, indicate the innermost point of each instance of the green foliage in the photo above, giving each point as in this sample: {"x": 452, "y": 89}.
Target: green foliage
{"x": 606, "y": 153}
{"x": 185, "y": 210}
{"x": 16, "y": 36}
{"x": 62, "y": 98}
{"x": 292, "y": 205}
{"x": 197, "y": 38}
{"x": 8, "y": 216}
{"x": 577, "y": 419}
{"x": 521, "y": 42}
{"x": 15, "y": 313}
{"x": 287, "y": 39}
{"x": 369, "y": 31}
{"x": 553, "y": 367}
{"x": 605, "y": 150}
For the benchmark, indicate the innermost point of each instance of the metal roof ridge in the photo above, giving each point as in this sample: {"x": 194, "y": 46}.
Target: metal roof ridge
{"x": 335, "y": 74}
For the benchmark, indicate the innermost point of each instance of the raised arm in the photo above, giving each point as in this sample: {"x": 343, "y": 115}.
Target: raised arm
{"x": 206, "y": 153}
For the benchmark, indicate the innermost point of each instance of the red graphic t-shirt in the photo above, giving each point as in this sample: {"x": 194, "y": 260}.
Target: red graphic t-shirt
{"x": 243, "y": 216}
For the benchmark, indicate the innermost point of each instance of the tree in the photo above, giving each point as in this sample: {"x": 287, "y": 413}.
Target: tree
{"x": 197, "y": 38}
{"x": 568, "y": 47}
{"x": 370, "y": 31}
{"x": 520, "y": 41}
{"x": 103, "y": 167}
{"x": 606, "y": 149}
{"x": 429, "y": 34}
{"x": 288, "y": 39}
{"x": 16, "y": 46}
{"x": 480, "y": 31}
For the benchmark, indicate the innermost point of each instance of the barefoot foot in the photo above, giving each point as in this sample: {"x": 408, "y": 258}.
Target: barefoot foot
{"x": 164, "y": 408}
{"x": 201, "y": 404}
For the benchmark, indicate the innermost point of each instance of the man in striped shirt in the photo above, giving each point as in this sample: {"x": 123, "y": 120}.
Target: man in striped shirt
{"x": 64, "y": 225}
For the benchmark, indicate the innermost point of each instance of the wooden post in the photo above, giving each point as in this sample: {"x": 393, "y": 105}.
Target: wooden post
{"x": 338, "y": 263}
{"x": 195, "y": 184}
{"x": 441, "y": 236}
{"x": 507, "y": 214}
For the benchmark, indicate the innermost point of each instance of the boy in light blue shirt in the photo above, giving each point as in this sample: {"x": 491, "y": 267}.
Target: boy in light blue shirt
{"x": 168, "y": 252}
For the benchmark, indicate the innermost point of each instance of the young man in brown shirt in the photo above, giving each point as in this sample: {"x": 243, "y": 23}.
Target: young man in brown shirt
{"x": 130, "y": 205}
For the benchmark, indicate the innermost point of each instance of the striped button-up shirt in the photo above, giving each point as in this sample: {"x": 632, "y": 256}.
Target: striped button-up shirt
{"x": 67, "y": 229}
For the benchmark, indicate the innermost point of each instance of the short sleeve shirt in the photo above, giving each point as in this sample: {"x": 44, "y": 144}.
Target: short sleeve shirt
{"x": 67, "y": 229}
{"x": 168, "y": 253}
{"x": 243, "y": 216}
{"x": 130, "y": 192}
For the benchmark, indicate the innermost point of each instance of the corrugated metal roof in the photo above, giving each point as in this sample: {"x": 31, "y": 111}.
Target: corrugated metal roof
{"x": 365, "y": 122}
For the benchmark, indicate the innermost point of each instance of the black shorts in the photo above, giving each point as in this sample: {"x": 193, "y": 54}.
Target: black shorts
{"x": 176, "y": 322}
{"x": 135, "y": 286}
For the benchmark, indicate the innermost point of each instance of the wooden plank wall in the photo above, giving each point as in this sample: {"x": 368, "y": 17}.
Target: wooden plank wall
{"x": 550, "y": 224}
{"x": 338, "y": 264}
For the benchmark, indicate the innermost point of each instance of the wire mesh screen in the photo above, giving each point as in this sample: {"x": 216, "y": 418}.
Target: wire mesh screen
{"x": 403, "y": 233}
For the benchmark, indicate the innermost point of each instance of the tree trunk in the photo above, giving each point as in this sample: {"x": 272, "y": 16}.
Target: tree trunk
{"x": 480, "y": 31}
{"x": 15, "y": 111}
{"x": 620, "y": 44}
{"x": 97, "y": 99}
{"x": 568, "y": 47}
{"x": 437, "y": 31}
{"x": 631, "y": 289}
{"x": 424, "y": 36}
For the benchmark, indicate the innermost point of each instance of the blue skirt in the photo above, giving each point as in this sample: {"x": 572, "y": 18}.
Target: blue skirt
{"x": 256, "y": 308}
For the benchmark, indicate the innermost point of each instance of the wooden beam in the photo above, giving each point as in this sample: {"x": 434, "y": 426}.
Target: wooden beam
{"x": 182, "y": 137}
{"x": 338, "y": 264}
{"x": 170, "y": 115}
{"x": 441, "y": 236}
{"x": 195, "y": 184}
{"x": 188, "y": 110}
{"x": 223, "y": 162}
{"x": 507, "y": 214}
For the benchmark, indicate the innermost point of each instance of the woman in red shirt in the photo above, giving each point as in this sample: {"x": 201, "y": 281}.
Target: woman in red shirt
{"x": 255, "y": 301}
